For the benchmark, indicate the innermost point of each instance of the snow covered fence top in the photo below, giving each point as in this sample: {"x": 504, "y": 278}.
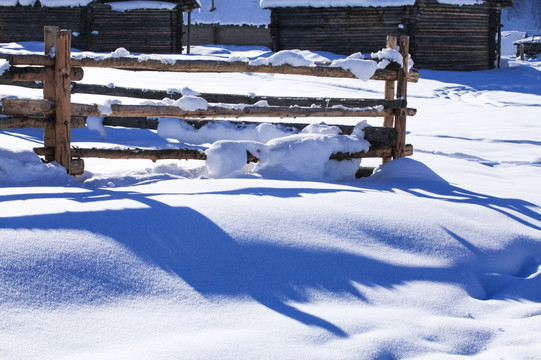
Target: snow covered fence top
{"x": 377, "y": 66}
{"x": 355, "y": 3}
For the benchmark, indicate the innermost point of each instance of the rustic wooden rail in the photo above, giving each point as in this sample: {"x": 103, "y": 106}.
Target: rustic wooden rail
{"x": 56, "y": 114}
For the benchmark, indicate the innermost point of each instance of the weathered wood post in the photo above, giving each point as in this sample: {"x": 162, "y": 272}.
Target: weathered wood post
{"x": 62, "y": 99}
{"x": 401, "y": 93}
{"x": 50, "y": 33}
{"x": 189, "y": 31}
{"x": 521, "y": 51}
{"x": 388, "y": 120}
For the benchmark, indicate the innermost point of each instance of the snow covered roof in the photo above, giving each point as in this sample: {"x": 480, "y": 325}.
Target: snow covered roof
{"x": 117, "y": 5}
{"x": 47, "y": 3}
{"x": 361, "y": 3}
{"x": 536, "y": 39}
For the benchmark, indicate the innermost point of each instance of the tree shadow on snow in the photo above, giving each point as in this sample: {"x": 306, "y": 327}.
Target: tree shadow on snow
{"x": 413, "y": 177}
{"x": 188, "y": 245}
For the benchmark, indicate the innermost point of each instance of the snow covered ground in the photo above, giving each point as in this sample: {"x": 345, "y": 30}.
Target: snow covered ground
{"x": 434, "y": 256}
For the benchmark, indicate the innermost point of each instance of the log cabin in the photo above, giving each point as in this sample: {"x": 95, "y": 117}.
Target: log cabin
{"x": 100, "y": 25}
{"x": 445, "y": 34}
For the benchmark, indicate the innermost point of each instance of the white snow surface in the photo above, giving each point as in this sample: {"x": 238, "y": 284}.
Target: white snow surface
{"x": 231, "y": 12}
{"x": 436, "y": 256}
{"x": 135, "y": 5}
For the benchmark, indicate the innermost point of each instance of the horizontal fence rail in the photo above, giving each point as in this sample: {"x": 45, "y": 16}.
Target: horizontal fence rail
{"x": 58, "y": 115}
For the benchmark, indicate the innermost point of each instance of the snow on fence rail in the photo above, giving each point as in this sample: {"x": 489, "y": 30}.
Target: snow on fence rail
{"x": 57, "y": 114}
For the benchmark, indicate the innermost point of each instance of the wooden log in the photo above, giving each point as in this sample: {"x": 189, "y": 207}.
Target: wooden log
{"x": 225, "y": 112}
{"x": 154, "y": 155}
{"x": 401, "y": 93}
{"x": 238, "y": 99}
{"x": 63, "y": 99}
{"x": 389, "y": 93}
{"x": 193, "y": 154}
{"x": 26, "y": 107}
{"x": 37, "y": 74}
{"x": 373, "y": 152}
{"x": 206, "y": 66}
{"x": 37, "y": 107}
{"x": 77, "y": 167}
{"x": 50, "y": 33}
{"x": 24, "y": 122}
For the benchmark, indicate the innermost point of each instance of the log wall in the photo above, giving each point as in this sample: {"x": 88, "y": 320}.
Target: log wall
{"x": 442, "y": 36}
{"x": 97, "y": 27}
{"x": 447, "y": 37}
{"x": 339, "y": 30}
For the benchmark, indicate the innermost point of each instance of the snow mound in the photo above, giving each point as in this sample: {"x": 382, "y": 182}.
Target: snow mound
{"x": 302, "y": 156}
{"x": 362, "y": 69}
{"x": 284, "y": 57}
{"x": 25, "y": 169}
{"x": 405, "y": 170}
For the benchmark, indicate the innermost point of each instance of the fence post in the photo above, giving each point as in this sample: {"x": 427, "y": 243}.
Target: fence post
{"x": 388, "y": 121}
{"x": 401, "y": 93}
{"x": 521, "y": 51}
{"x": 50, "y": 33}
{"x": 62, "y": 99}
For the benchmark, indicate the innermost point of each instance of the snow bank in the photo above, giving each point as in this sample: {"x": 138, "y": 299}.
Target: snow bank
{"x": 281, "y": 151}
{"x": 25, "y": 168}
{"x": 303, "y": 156}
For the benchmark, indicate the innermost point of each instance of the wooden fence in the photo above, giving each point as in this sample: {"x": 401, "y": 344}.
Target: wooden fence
{"x": 57, "y": 114}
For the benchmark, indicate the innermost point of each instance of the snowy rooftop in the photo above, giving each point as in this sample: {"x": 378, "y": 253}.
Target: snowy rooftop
{"x": 536, "y": 39}
{"x": 117, "y": 5}
{"x": 364, "y": 3}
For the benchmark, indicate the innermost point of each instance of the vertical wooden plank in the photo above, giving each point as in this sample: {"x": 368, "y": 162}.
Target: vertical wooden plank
{"x": 499, "y": 46}
{"x": 63, "y": 99}
{"x": 179, "y": 32}
{"x": 50, "y": 33}
{"x": 401, "y": 93}
{"x": 388, "y": 120}
{"x": 188, "y": 33}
